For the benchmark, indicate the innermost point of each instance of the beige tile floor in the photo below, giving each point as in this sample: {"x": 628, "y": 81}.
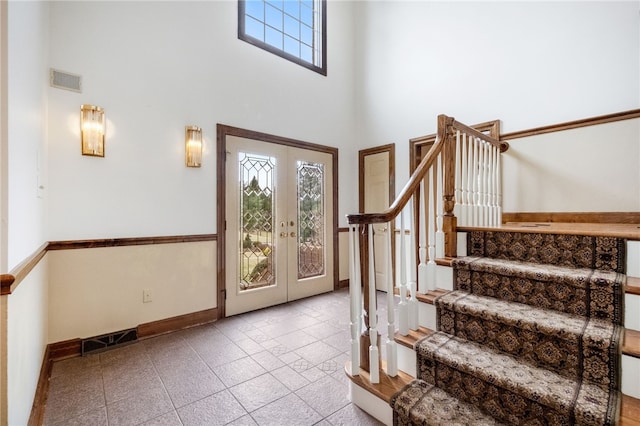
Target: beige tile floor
{"x": 278, "y": 366}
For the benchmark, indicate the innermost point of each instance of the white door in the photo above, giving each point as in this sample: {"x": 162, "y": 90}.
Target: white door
{"x": 279, "y": 244}
{"x": 376, "y": 200}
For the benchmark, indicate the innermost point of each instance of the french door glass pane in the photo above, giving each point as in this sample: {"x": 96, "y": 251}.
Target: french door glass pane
{"x": 257, "y": 195}
{"x": 311, "y": 219}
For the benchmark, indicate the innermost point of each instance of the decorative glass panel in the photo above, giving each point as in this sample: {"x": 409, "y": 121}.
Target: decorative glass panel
{"x": 257, "y": 261}
{"x": 311, "y": 219}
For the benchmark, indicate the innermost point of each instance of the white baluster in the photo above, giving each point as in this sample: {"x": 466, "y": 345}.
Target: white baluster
{"x": 392, "y": 349}
{"x": 494, "y": 186}
{"x": 457, "y": 187}
{"x": 423, "y": 282}
{"x": 499, "y": 185}
{"x": 413, "y": 301}
{"x": 403, "y": 307}
{"x": 431, "y": 219}
{"x": 464, "y": 207}
{"x": 374, "y": 358}
{"x": 482, "y": 169}
{"x": 355, "y": 298}
{"x": 439, "y": 208}
{"x": 487, "y": 172}
{"x": 474, "y": 182}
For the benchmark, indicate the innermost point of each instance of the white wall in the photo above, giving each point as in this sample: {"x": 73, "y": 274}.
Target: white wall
{"x": 156, "y": 67}
{"x": 27, "y": 129}
{"x": 590, "y": 169}
{"x": 27, "y": 309}
{"x": 99, "y": 290}
{"x": 525, "y": 63}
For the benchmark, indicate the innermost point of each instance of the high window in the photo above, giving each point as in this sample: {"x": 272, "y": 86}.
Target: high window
{"x": 292, "y": 29}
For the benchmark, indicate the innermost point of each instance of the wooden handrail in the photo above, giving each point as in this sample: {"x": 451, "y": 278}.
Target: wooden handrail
{"x": 9, "y": 282}
{"x": 412, "y": 185}
{"x": 473, "y": 132}
{"x": 446, "y": 127}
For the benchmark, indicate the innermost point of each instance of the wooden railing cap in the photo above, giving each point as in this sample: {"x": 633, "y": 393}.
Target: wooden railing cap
{"x": 6, "y": 281}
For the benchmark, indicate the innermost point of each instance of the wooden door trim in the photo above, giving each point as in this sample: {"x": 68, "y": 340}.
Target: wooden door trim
{"x": 221, "y": 152}
{"x": 391, "y": 149}
{"x": 362, "y": 154}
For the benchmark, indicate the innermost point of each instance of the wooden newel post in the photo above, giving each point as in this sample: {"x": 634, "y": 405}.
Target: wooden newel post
{"x": 449, "y": 221}
{"x": 364, "y": 276}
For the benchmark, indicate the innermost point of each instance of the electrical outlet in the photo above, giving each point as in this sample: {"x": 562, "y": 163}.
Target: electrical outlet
{"x": 146, "y": 295}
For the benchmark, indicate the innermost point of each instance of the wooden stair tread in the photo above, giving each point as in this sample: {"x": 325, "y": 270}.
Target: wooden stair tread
{"x": 633, "y": 285}
{"x": 430, "y": 295}
{"x": 631, "y": 344}
{"x": 388, "y": 385}
{"x": 629, "y": 231}
{"x": 630, "y": 411}
{"x": 414, "y": 335}
{"x": 444, "y": 261}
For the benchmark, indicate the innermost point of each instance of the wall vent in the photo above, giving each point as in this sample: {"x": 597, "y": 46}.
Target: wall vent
{"x": 108, "y": 341}
{"x": 65, "y": 80}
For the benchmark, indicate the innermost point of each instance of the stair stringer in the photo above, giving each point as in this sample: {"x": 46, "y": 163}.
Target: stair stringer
{"x": 373, "y": 405}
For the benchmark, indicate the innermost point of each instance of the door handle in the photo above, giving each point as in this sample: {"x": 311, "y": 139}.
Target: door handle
{"x": 293, "y": 234}
{"x": 283, "y": 235}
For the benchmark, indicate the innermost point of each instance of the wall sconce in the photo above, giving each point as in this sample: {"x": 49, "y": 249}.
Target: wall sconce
{"x": 193, "y": 146}
{"x": 92, "y": 130}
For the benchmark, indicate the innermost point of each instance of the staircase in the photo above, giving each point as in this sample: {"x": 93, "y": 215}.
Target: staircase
{"x": 446, "y": 376}
{"x": 530, "y": 335}
{"x": 502, "y": 324}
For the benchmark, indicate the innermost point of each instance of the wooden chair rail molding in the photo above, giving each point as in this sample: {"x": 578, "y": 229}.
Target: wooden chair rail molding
{"x": 9, "y": 281}
{"x": 575, "y": 217}
{"x": 601, "y": 119}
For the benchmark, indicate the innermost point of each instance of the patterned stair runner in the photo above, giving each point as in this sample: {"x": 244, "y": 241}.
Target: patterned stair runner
{"x": 579, "y": 291}
{"x": 422, "y": 403}
{"x": 576, "y": 347}
{"x": 509, "y": 390}
{"x": 531, "y": 335}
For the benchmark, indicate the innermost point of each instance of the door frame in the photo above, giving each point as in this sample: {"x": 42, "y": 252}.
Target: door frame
{"x": 362, "y": 154}
{"x": 221, "y": 152}
{"x": 391, "y": 149}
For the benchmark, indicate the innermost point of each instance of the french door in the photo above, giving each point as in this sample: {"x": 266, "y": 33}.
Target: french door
{"x": 278, "y": 240}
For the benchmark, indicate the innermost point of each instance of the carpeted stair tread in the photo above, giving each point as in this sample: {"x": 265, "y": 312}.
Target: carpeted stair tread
{"x": 509, "y": 390}
{"x": 532, "y": 270}
{"x": 579, "y": 251}
{"x": 573, "y": 346}
{"x": 579, "y": 291}
{"x": 420, "y": 403}
{"x": 527, "y": 317}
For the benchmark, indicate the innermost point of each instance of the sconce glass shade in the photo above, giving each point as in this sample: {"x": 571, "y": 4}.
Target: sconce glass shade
{"x": 92, "y": 130}
{"x": 193, "y": 146}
